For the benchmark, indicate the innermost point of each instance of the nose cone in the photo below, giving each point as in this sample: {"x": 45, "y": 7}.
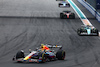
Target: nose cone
{"x": 64, "y": 4}
{"x": 88, "y": 31}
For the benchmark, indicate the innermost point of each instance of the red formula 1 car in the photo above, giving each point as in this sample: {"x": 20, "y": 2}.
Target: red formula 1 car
{"x": 46, "y": 53}
{"x": 67, "y": 14}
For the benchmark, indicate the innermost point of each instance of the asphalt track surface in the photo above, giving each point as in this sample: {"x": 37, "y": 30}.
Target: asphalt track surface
{"x": 25, "y": 24}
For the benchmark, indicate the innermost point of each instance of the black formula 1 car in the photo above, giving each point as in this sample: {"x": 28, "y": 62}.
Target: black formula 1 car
{"x": 46, "y": 53}
{"x": 67, "y": 14}
{"x": 87, "y": 30}
{"x": 63, "y": 4}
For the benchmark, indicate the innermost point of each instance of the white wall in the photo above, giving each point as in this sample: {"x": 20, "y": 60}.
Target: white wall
{"x": 90, "y": 8}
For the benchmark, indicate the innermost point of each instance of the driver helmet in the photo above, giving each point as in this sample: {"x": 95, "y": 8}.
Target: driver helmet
{"x": 42, "y": 45}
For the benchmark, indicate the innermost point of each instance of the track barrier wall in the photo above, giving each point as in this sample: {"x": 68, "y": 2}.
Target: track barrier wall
{"x": 90, "y": 8}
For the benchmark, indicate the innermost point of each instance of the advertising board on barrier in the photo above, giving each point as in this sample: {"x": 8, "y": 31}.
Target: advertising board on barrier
{"x": 98, "y": 4}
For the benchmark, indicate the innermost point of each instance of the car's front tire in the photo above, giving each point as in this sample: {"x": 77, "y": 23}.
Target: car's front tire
{"x": 60, "y": 55}
{"x": 20, "y": 54}
{"x": 78, "y": 32}
{"x": 68, "y": 4}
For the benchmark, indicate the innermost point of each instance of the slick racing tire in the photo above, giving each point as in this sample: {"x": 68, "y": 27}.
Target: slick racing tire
{"x": 61, "y": 15}
{"x": 60, "y": 55}
{"x": 95, "y": 31}
{"x": 72, "y": 16}
{"x": 68, "y": 4}
{"x": 79, "y": 32}
{"x": 20, "y": 54}
{"x": 97, "y": 34}
{"x": 43, "y": 57}
{"x": 59, "y": 5}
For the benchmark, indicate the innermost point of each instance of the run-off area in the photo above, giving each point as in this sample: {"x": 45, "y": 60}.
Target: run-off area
{"x": 29, "y": 33}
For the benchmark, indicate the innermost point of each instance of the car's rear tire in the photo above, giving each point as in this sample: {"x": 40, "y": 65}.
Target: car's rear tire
{"x": 68, "y": 4}
{"x": 61, "y": 15}
{"x": 60, "y": 55}
{"x": 72, "y": 16}
{"x": 95, "y": 31}
{"x": 59, "y": 5}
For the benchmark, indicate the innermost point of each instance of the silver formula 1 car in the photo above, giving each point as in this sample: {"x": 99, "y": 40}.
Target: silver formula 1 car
{"x": 46, "y": 53}
{"x": 67, "y": 15}
{"x": 63, "y": 4}
{"x": 87, "y": 30}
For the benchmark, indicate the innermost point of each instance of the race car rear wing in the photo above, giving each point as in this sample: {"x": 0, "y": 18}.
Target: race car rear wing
{"x": 53, "y": 46}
